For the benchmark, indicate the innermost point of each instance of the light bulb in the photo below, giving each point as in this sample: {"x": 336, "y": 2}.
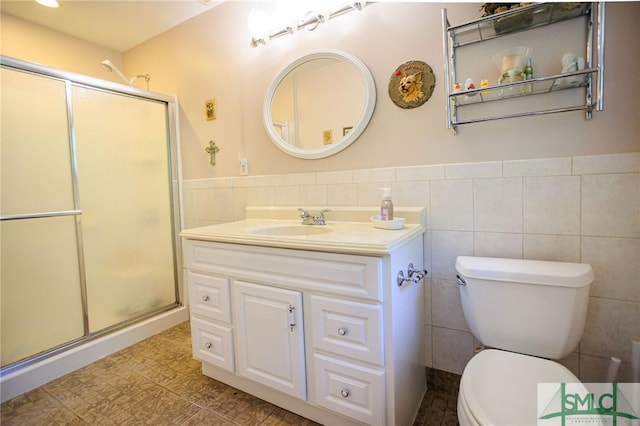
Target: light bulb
{"x": 48, "y": 3}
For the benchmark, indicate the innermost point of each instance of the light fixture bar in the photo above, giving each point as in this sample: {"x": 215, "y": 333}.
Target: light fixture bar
{"x": 48, "y": 3}
{"x": 309, "y": 21}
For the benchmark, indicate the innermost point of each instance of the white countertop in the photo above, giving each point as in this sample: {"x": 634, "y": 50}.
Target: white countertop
{"x": 347, "y": 236}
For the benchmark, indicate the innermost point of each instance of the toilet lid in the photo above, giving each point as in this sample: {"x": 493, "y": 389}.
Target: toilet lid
{"x": 501, "y": 388}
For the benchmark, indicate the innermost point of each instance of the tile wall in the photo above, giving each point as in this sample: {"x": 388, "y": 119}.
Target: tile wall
{"x": 577, "y": 209}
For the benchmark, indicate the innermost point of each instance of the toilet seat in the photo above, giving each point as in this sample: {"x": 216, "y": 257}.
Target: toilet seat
{"x": 500, "y": 388}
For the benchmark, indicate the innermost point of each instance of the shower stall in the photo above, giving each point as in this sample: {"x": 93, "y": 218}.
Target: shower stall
{"x": 89, "y": 221}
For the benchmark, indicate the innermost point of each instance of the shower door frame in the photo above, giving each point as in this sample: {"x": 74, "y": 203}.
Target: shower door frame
{"x": 175, "y": 195}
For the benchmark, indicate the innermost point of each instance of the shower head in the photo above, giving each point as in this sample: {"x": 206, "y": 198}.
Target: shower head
{"x": 107, "y": 65}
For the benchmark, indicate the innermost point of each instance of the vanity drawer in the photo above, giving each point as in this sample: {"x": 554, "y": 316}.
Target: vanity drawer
{"x": 350, "y": 390}
{"x": 209, "y": 297}
{"x": 212, "y": 343}
{"x": 341, "y": 274}
{"x": 347, "y": 328}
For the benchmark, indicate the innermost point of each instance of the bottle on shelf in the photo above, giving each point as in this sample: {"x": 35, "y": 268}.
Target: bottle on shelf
{"x": 528, "y": 75}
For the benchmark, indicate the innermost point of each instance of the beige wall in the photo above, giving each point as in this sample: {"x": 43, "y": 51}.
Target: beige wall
{"x": 30, "y": 42}
{"x": 210, "y": 56}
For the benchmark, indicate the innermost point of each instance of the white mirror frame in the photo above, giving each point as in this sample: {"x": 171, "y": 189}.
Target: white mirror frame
{"x": 363, "y": 121}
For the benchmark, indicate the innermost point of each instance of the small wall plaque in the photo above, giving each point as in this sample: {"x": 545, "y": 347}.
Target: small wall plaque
{"x": 327, "y": 137}
{"x": 210, "y": 108}
{"x": 411, "y": 84}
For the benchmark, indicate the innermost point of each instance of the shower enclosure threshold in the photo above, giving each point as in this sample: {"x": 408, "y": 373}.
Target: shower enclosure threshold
{"x": 36, "y": 374}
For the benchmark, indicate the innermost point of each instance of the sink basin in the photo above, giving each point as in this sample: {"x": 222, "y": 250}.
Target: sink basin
{"x": 292, "y": 230}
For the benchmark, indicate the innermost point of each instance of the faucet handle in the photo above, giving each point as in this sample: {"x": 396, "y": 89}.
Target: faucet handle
{"x": 304, "y": 213}
{"x": 307, "y": 219}
{"x": 319, "y": 219}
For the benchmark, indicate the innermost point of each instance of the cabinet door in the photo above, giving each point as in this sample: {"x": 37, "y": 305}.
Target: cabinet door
{"x": 270, "y": 345}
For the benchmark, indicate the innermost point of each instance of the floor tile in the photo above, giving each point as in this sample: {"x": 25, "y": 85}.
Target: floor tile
{"x": 157, "y": 382}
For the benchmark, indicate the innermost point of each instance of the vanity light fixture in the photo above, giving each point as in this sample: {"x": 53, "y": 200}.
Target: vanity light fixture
{"x": 49, "y": 3}
{"x": 262, "y": 29}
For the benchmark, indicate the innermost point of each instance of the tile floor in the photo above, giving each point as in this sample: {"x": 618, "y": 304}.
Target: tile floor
{"x": 157, "y": 382}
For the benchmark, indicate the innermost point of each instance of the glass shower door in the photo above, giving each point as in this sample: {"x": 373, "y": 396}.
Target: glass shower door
{"x": 87, "y": 215}
{"x": 122, "y": 146}
{"x": 40, "y": 278}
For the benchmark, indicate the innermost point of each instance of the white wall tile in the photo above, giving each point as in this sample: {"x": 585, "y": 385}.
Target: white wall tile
{"x": 197, "y": 183}
{"x": 428, "y": 301}
{"x": 191, "y": 223}
{"x": 224, "y": 182}
{"x": 445, "y": 247}
{"x": 287, "y": 195}
{"x": 494, "y": 244}
{"x": 594, "y": 370}
{"x": 417, "y": 173}
{"x": 452, "y": 349}
{"x": 552, "y": 205}
{"x": 222, "y": 204}
{"x": 558, "y": 248}
{"x": 370, "y": 193}
{"x": 342, "y": 194}
{"x": 616, "y": 265}
{"x": 446, "y": 306}
{"x": 244, "y": 182}
{"x": 427, "y": 250}
{"x": 452, "y": 205}
{"x": 428, "y": 346}
{"x": 261, "y": 196}
{"x": 335, "y": 177}
{"x": 611, "y": 163}
{"x": 299, "y": 179}
{"x": 410, "y": 194}
{"x": 497, "y": 205}
{"x": 611, "y": 325}
{"x": 542, "y": 167}
{"x": 240, "y": 197}
{"x": 375, "y": 175}
{"x": 611, "y": 205}
{"x": 190, "y": 203}
{"x": 206, "y": 204}
{"x": 572, "y": 362}
{"x": 489, "y": 169}
{"x": 313, "y": 195}
{"x": 268, "y": 180}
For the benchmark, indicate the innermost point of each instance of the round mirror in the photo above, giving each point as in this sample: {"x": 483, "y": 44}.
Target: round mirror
{"x": 319, "y": 104}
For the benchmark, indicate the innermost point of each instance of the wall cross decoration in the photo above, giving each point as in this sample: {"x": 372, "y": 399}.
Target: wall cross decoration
{"x": 212, "y": 149}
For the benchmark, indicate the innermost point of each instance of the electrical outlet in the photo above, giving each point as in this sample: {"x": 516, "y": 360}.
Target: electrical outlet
{"x": 244, "y": 167}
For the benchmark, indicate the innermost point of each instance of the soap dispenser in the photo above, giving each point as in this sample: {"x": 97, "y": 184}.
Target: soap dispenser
{"x": 386, "y": 206}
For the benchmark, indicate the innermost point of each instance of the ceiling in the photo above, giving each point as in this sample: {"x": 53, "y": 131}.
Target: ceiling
{"x": 116, "y": 24}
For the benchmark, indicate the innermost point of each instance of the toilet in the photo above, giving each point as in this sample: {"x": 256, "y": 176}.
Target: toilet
{"x": 527, "y": 312}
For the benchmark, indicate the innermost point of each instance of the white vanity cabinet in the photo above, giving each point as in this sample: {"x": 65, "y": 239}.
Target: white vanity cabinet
{"x": 329, "y": 336}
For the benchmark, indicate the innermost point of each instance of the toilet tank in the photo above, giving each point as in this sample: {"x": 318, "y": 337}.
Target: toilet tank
{"x": 532, "y": 307}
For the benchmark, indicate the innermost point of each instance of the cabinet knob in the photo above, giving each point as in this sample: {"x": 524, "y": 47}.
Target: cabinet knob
{"x": 342, "y": 331}
{"x": 345, "y": 393}
{"x": 208, "y": 345}
{"x": 205, "y": 298}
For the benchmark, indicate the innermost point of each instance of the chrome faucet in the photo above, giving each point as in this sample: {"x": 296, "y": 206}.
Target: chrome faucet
{"x": 309, "y": 219}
